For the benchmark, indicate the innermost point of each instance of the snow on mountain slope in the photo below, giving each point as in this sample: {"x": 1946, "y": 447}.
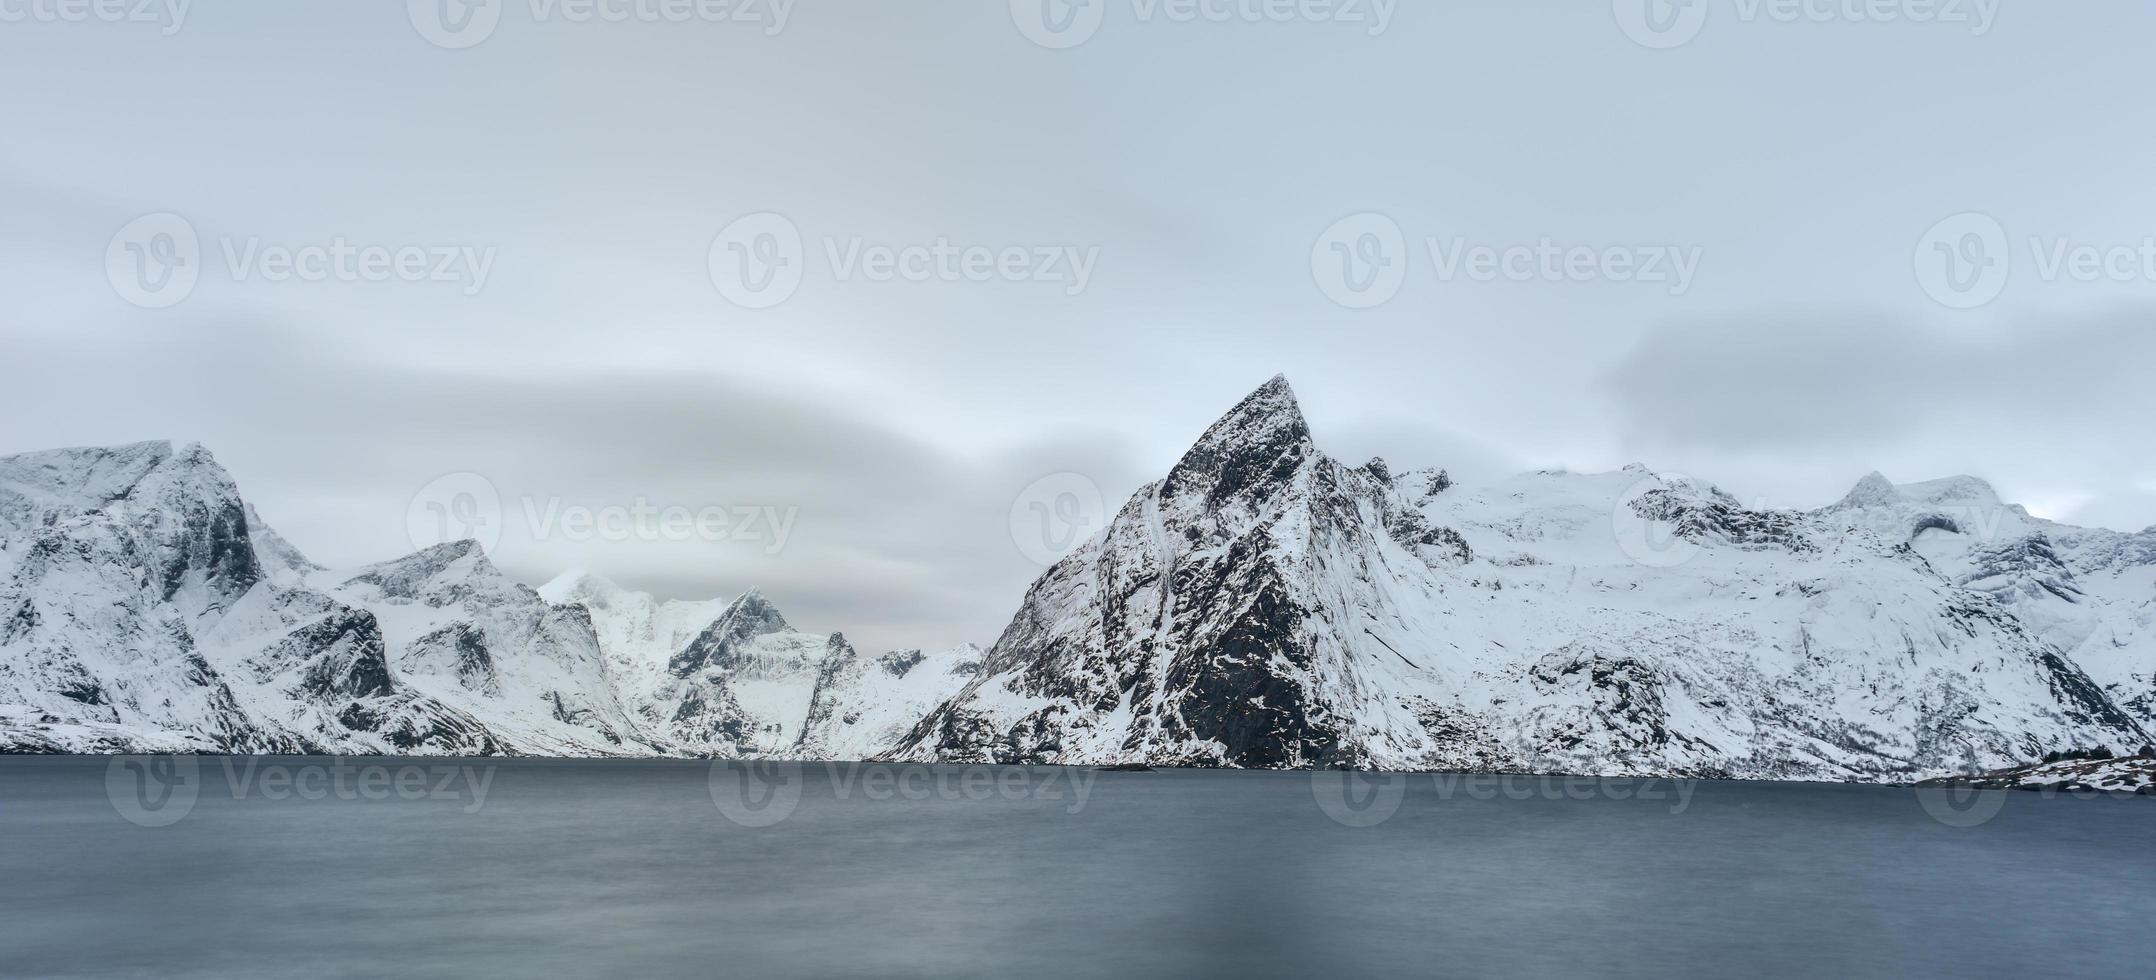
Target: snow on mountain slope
{"x": 742, "y": 686}
{"x": 148, "y": 607}
{"x": 1266, "y": 606}
{"x": 734, "y": 678}
{"x": 464, "y": 633}
{"x": 1259, "y": 607}
{"x": 1263, "y": 605}
{"x": 637, "y": 632}
{"x": 862, "y": 707}
{"x": 138, "y": 612}
{"x": 112, "y": 556}
{"x": 2090, "y": 593}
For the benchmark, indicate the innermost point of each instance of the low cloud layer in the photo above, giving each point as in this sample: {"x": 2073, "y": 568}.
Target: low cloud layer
{"x": 1799, "y": 406}
{"x": 894, "y": 541}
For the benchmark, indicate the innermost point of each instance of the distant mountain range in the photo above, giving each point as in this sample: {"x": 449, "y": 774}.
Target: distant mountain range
{"x": 1263, "y": 605}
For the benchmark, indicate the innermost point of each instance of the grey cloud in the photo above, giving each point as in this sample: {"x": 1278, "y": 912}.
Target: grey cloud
{"x": 895, "y": 541}
{"x": 1809, "y": 402}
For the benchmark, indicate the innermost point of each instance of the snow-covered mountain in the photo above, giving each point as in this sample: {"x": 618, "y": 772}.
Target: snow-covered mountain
{"x": 1267, "y": 606}
{"x": 734, "y": 678}
{"x": 147, "y": 607}
{"x": 137, "y": 612}
{"x": 1262, "y": 605}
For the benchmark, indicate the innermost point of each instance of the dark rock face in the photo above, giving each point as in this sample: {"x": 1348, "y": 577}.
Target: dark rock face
{"x": 424, "y": 576}
{"x": 1193, "y": 614}
{"x": 1248, "y": 454}
{"x": 347, "y": 660}
{"x": 901, "y": 663}
{"x": 1231, "y": 688}
{"x": 2029, "y": 565}
{"x": 208, "y": 539}
{"x": 840, "y": 666}
{"x": 720, "y": 644}
{"x": 464, "y": 647}
{"x": 1716, "y": 518}
{"x": 413, "y": 723}
{"x": 2085, "y": 701}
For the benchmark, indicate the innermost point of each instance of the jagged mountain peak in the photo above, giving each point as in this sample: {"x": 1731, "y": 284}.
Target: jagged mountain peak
{"x": 751, "y": 608}
{"x": 63, "y": 482}
{"x": 451, "y": 563}
{"x": 1260, "y": 441}
{"x": 1271, "y": 407}
{"x": 1266, "y": 606}
{"x": 1875, "y": 490}
{"x": 746, "y": 618}
{"x": 445, "y": 554}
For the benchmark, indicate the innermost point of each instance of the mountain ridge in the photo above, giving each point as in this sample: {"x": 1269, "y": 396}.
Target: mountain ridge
{"x": 1261, "y": 605}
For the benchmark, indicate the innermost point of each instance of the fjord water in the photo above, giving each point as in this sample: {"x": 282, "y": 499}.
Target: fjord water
{"x": 481, "y": 868}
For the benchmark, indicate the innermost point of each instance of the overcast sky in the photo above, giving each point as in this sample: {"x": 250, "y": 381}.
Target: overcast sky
{"x": 649, "y": 257}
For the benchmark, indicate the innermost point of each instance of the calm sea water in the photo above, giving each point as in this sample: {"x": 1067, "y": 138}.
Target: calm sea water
{"x": 363, "y": 868}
